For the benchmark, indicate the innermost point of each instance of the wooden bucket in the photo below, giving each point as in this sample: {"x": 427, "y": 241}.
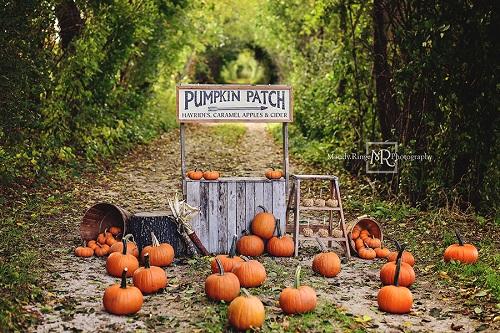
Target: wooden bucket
{"x": 101, "y": 217}
{"x": 364, "y": 222}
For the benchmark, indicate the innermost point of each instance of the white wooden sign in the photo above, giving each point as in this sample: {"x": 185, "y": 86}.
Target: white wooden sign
{"x": 242, "y": 103}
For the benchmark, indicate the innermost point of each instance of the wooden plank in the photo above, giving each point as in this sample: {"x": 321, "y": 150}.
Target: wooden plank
{"x": 213, "y": 208}
{"x": 279, "y": 209}
{"x": 193, "y": 199}
{"x": 203, "y": 223}
{"x": 315, "y": 177}
{"x": 268, "y": 196}
{"x": 237, "y": 179}
{"x": 240, "y": 208}
{"x": 249, "y": 203}
{"x": 222, "y": 219}
{"x": 231, "y": 212}
{"x": 296, "y": 217}
{"x": 259, "y": 194}
{"x": 286, "y": 160}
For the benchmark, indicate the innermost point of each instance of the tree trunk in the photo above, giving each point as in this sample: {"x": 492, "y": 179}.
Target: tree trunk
{"x": 70, "y": 22}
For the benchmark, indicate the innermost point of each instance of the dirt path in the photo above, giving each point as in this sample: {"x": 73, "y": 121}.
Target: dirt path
{"x": 142, "y": 182}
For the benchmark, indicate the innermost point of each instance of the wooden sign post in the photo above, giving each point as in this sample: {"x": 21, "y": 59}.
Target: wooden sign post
{"x": 227, "y": 205}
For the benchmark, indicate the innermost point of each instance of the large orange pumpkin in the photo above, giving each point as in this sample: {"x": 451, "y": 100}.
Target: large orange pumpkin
{"x": 131, "y": 247}
{"x": 222, "y": 286}
{"x": 280, "y": 246}
{"x": 246, "y": 312}
{"x": 464, "y": 253}
{"x": 299, "y": 299}
{"x": 406, "y": 273}
{"x": 227, "y": 260}
{"x": 250, "y": 245}
{"x": 263, "y": 224}
{"x": 251, "y": 273}
{"x": 326, "y": 263}
{"x": 149, "y": 279}
{"x": 117, "y": 261}
{"x": 159, "y": 254}
{"x": 407, "y": 256}
{"x": 394, "y": 298}
{"x": 120, "y": 299}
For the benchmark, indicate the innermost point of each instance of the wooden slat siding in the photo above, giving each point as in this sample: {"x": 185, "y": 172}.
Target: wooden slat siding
{"x": 279, "y": 208}
{"x": 193, "y": 199}
{"x": 268, "y": 196}
{"x": 259, "y": 195}
{"x": 222, "y": 219}
{"x": 213, "y": 208}
{"x": 202, "y": 232}
{"x": 231, "y": 212}
{"x": 240, "y": 208}
{"x": 249, "y": 203}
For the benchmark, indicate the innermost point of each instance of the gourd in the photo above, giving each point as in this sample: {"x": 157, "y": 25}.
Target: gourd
{"x": 131, "y": 246}
{"x": 149, "y": 279}
{"x": 250, "y": 245}
{"x": 246, "y": 312}
{"x": 299, "y": 299}
{"x": 326, "y": 263}
{"x": 274, "y": 174}
{"x": 222, "y": 286}
{"x": 159, "y": 254}
{"x": 120, "y": 299}
{"x": 251, "y": 273}
{"x": 464, "y": 253}
{"x": 195, "y": 174}
{"x": 228, "y": 260}
{"x": 406, "y": 275}
{"x": 117, "y": 261}
{"x": 211, "y": 175}
{"x": 84, "y": 252}
{"x": 367, "y": 253}
{"x": 407, "y": 256}
{"x": 280, "y": 245}
{"x": 394, "y": 298}
{"x": 263, "y": 224}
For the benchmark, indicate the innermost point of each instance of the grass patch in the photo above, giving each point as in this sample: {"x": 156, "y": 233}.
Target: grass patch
{"x": 229, "y": 134}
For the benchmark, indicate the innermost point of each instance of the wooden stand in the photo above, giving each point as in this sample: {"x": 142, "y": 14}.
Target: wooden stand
{"x": 294, "y": 205}
{"x": 140, "y": 225}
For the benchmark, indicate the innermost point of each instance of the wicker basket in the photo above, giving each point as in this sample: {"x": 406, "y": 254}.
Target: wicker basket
{"x": 364, "y": 222}
{"x": 101, "y": 217}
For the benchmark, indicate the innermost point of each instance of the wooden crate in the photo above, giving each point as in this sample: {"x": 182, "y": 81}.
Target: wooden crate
{"x": 228, "y": 205}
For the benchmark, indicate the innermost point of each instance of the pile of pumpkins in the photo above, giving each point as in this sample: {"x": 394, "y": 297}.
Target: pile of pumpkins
{"x": 367, "y": 245}
{"x": 105, "y": 243}
{"x": 123, "y": 262}
{"x": 214, "y": 175}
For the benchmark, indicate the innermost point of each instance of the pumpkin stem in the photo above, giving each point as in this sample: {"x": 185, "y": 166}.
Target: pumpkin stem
{"x": 398, "y": 269}
{"x": 232, "y": 250}
{"x": 245, "y": 292}
{"x": 398, "y": 246}
{"x": 219, "y": 265}
{"x": 154, "y": 240}
{"x": 124, "y": 242}
{"x": 263, "y": 208}
{"x": 128, "y": 237}
{"x": 400, "y": 251}
{"x": 297, "y": 277}
{"x": 278, "y": 228}
{"x": 124, "y": 278}
{"x": 321, "y": 245}
{"x": 147, "y": 263}
{"x": 459, "y": 237}
{"x": 244, "y": 258}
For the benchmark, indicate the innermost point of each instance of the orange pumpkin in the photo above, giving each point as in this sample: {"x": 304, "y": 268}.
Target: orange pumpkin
{"x": 101, "y": 238}
{"x": 464, "y": 253}
{"x": 117, "y": 261}
{"x": 367, "y": 253}
{"x": 274, "y": 174}
{"x": 407, "y": 256}
{"x": 326, "y": 263}
{"x": 159, "y": 254}
{"x": 263, "y": 224}
{"x": 250, "y": 245}
{"x": 246, "y": 312}
{"x": 394, "y": 298}
{"x": 149, "y": 279}
{"x": 251, "y": 273}
{"x": 120, "y": 299}
{"x": 222, "y": 286}
{"x": 373, "y": 242}
{"x": 115, "y": 231}
{"x": 382, "y": 252}
{"x": 228, "y": 261}
{"x": 92, "y": 244}
{"x": 85, "y": 252}
{"x": 131, "y": 246}
{"x": 101, "y": 250}
{"x": 359, "y": 244}
{"x": 110, "y": 240}
{"x": 280, "y": 246}
{"x": 406, "y": 275}
{"x": 299, "y": 299}
{"x": 211, "y": 175}
{"x": 195, "y": 174}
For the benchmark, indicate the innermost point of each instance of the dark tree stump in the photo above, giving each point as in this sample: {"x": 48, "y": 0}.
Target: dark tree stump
{"x": 140, "y": 225}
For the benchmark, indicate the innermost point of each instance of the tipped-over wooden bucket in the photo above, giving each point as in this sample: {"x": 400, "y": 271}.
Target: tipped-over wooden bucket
{"x": 364, "y": 222}
{"x": 101, "y": 217}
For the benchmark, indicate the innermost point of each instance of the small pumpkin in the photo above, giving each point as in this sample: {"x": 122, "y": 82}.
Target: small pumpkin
{"x": 326, "y": 263}
{"x": 373, "y": 242}
{"x": 355, "y": 232}
{"x": 382, "y": 252}
{"x": 323, "y": 233}
{"x": 83, "y": 251}
{"x": 227, "y": 261}
{"x": 359, "y": 243}
{"x": 263, "y": 224}
{"x": 364, "y": 234}
{"x": 120, "y": 299}
{"x": 406, "y": 275}
{"x": 195, "y": 174}
{"x": 407, "y": 256}
{"x": 307, "y": 202}
{"x": 222, "y": 286}
{"x": 92, "y": 244}
{"x": 101, "y": 238}
{"x": 251, "y": 273}
{"x": 274, "y": 174}
{"x": 332, "y": 203}
{"x": 101, "y": 250}
{"x": 110, "y": 240}
{"x": 115, "y": 231}
{"x": 250, "y": 245}
{"x": 308, "y": 232}
{"x": 464, "y": 253}
{"x": 280, "y": 245}
{"x": 211, "y": 175}
{"x": 319, "y": 202}
{"x": 367, "y": 253}
{"x": 159, "y": 254}
{"x": 149, "y": 279}
{"x": 131, "y": 246}
{"x": 246, "y": 312}
{"x": 117, "y": 261}
{"x": 299, "y": 299}
{"x": 394, "y": 298}
{"x": 337, "y": 233}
